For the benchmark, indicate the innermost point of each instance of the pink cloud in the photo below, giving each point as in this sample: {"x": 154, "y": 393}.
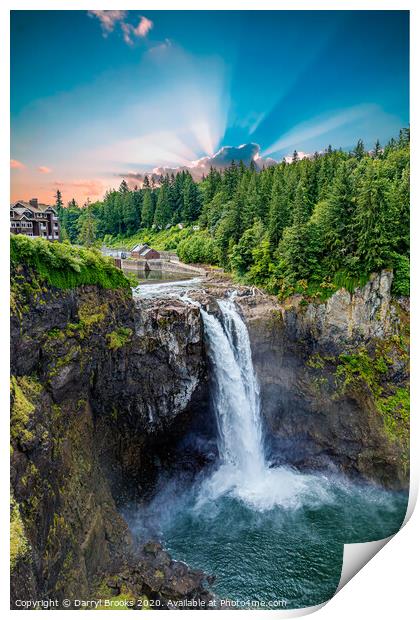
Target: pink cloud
{"x": 130, "y": 31}
{"x": 108, "y": 19}
{"x": 14, "y": 163}
{"x": 44, "y": 169}
{"x": 145, "y": 25}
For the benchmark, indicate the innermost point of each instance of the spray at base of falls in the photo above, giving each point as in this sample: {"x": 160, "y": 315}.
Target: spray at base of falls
{"x": 244, "y": 471}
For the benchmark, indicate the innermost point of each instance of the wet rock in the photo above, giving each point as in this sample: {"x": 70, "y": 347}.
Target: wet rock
{"x": 163, "y": 582}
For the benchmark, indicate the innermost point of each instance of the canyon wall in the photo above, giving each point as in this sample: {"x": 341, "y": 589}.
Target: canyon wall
{"x": 334, "y": 379}
{"x": 98, "y": 388}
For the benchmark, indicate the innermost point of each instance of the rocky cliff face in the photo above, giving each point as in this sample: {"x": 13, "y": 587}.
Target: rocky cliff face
{"x": 146, "y": 393}
{"x": 96, "y": 382}
{"x": 334, "y": 379}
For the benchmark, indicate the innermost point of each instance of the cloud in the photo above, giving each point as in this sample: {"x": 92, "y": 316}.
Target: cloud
{"x": 15, "y": 164}
{"x": 44, "y": 169}
{"x": 108, "y": 19}
{"x": 300, "y": 155}
{"x": 220, "y": 160}
{"x": 140, "y": 31}
{"x": 144, "y": 26}
{"x": 225, "y": 155}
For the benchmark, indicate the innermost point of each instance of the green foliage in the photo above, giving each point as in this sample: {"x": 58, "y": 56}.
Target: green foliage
{"x": 316, "y": 361}
{"x": 65, "y": 266}
{"x": 361, "y": 366}
{"x": 200, "y": 248}
{"x": 69, "y": 218}
{"x": 401, "y": 282}
{"x": 119, "y": 338}
{"x": 166, "y": 240}
{"x": 395, "y": 410}
{"x": 342, "y": 279}
{"x": 87, "y": 225}
{"x": 242, "y": 254}
{"x": 19, "y": 545}
{"x": 262, "y": 270}
{"x": 370, "y": 369}
{"x": 24, "y": 392}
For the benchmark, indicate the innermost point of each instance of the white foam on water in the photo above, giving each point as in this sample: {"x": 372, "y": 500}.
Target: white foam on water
{"x": 173, "y": 288}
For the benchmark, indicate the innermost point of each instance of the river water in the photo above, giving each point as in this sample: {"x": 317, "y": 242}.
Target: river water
{"x": 270, "y": 535}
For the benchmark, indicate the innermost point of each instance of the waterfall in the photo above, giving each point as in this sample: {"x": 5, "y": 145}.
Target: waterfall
{"x": 243, "y": 472}
{"x": 235, "y": 392}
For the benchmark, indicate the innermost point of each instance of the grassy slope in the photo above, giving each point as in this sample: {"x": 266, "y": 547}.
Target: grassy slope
{"x": 63, "y": 265}
{"x": 160, "y": 240}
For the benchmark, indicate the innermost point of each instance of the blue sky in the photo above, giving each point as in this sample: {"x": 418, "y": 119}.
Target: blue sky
{"x": 98, "y": 97}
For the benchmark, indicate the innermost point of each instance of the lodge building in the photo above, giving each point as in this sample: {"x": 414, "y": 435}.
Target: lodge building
{"x": 34, "y": 219}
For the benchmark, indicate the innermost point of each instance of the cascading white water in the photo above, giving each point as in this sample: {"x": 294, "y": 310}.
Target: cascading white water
{"x": 235, "y": 391}
{"x": 244, "y": 471}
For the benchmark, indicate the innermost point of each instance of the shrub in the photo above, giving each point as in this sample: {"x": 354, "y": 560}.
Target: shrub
{"x": 401, "y": 282}
{"x": 200, "y": 248}
{"x": 63, "y": 265}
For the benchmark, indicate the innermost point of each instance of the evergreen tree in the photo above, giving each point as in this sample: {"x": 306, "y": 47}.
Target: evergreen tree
{"x": 339, "y": 214}
{"x": 87, "y": 225}
{"x": 300, "y": 205}
{"x": 58, "y": 201}
{"x": 370, "y": 221}
{"x": 69, "y": 217}
{"x": 163, "y": 212}
{"x": 359, "y": 151}
{"x": 293, "y": 248}
{"x": 192, "y": 200}
{"x": 265, "y": 186}
{"x": 130, "y": 215}
{"x": 241, "y": 257}
{"x": 230, "y": 181}
{"x": 123, "y": 187}
{"x": 404, "y": 138}
{"x": 251, "y": 202}
{"x": 279, "y": 211}
{"x": 147, "y": 211}
{"x": 177, "y": 197}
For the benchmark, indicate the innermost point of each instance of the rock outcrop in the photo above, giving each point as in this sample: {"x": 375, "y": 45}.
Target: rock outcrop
{"x": 334, "y": 379}
{"x": 96, "y": 384}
